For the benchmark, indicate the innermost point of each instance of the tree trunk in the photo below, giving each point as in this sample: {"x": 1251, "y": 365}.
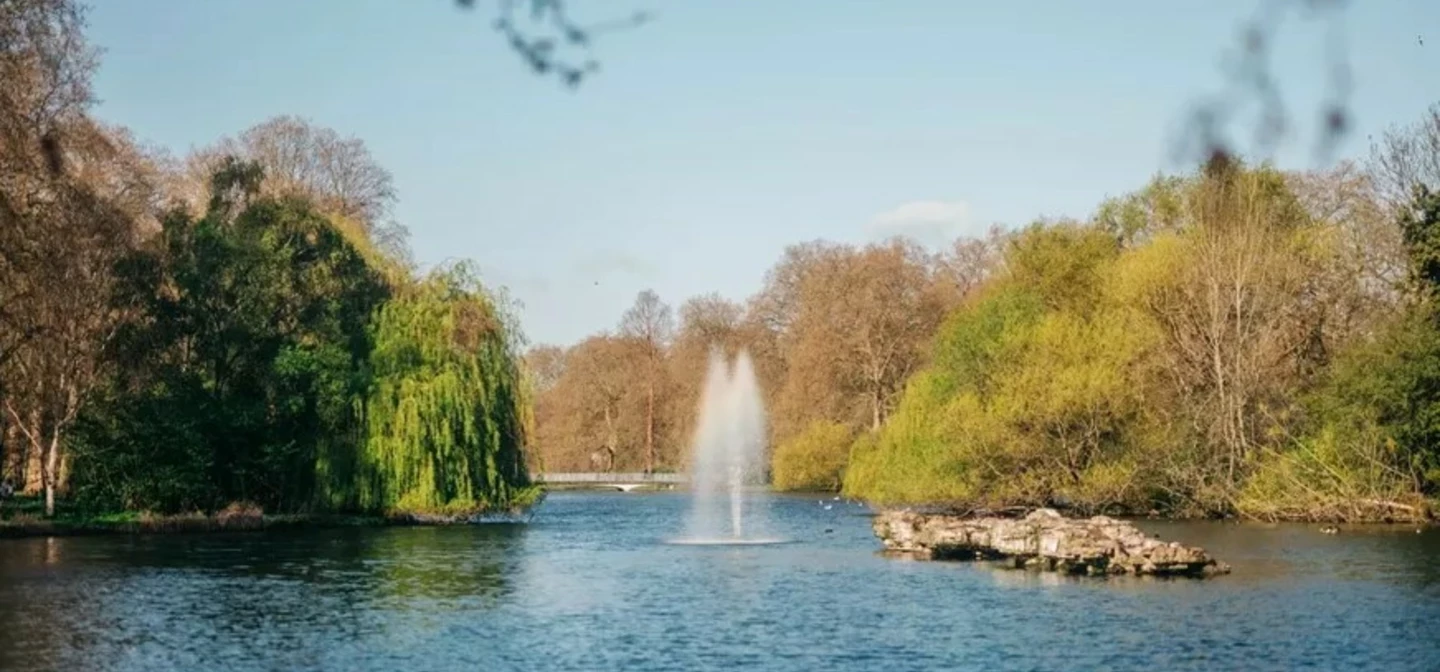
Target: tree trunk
{"x": 650, "y": 424}
{"x": 34, "y": 482}
{"x": 610, "y": 439}
{"x": 875, "y": 403}
{"x": 52, "y": 464}
{"x": 13, "y": 468}
{"x": 34, "y": 459}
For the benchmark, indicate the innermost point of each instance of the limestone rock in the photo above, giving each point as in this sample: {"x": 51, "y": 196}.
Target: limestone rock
{"x": 1043, "y": 540}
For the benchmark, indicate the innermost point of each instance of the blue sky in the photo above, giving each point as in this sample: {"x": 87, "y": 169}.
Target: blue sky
{"x": 723, "y": 131}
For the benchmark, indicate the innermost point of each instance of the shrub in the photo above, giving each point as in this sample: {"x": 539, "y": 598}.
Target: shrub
{"x": 814, "y": 459}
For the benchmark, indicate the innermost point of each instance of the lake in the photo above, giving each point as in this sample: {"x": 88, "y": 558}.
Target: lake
{"x": 590, "y": 584}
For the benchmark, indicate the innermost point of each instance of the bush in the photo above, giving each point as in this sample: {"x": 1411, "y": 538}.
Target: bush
{"x": 1369, "y": 448}
{"x": 240, "y": 516}
{"x": 915, "y": 457}
{"x": 143, "y": 452}
{"x": 1332, "y": 476}
{"x": 814, "y": 459}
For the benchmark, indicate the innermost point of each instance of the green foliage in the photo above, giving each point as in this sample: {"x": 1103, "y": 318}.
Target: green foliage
{"x": 1396, "y": 385}
{"x": 144, "y": 449}
{"x": 1102, "y": 378}
{"x": 1063, "y": 413}
{"x": 814, "y": 459}
{"x": 1371, "y": 445}
{"x": 1061, "y": 263}
{"x": 268, "y": 361}
{"x": 918, "y": 456}
{"x": 1158, "y": 208}
{"x": 1372, "y": 439}
{"x": 239, "y": 368}
{"x": 921, "y": 452}
{"x": 445, "y": 414}
{"x": 395, "y": 271}
{"x": 1030, "y": 394}
{"x": 972, "y": 339}
{"x": 1420, "y": 230}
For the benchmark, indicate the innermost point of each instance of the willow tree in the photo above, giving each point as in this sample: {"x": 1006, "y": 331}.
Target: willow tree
{"x": 445, "y": 414}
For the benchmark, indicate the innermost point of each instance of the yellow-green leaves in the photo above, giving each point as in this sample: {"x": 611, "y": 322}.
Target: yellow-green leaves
{"x": 814, "y": 459}
{"x": 446, "y": 413}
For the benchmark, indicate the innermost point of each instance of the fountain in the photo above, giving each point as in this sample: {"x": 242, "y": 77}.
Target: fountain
{"x": 728, "y": 457}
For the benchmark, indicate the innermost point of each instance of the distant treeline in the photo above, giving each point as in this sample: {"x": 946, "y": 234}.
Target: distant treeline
{"x": 1237, "y": 341}
{"x": 239, "y": 325}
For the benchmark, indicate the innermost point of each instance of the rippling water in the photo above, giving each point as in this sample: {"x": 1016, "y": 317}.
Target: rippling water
{"x": 589, "y": 584}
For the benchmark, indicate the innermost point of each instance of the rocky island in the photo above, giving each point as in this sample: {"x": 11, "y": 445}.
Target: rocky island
{"x": 1042, "y": 540}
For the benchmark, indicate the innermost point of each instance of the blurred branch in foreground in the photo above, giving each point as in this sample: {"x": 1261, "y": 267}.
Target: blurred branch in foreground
{"x": 1251, "y": 86}
{"x": 549, "y": 40}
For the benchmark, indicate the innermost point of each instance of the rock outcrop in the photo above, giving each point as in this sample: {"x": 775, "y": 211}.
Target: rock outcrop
{"x": 1042, "y": 540}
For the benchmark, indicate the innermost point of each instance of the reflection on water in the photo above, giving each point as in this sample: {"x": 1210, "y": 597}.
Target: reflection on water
{"x": 297, "y": 598}
{"x": 591, "y": 584}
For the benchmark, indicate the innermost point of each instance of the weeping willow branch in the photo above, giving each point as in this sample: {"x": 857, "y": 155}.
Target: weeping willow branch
{"x": 446, "y": 413}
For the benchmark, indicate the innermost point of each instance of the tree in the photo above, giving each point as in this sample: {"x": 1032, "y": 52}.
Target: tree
{"x": 49, "y": 378}
{"x": 67, "y": 211}
{"x": 603, "y": 369}
{"x": 1420, "y": 229}
{"x": 1233, "y": 310}
{"x": 939, "y": 443}
{"x": 1360, "y": 282}
{"x": 863, "y": 319}
{"x": 238, "y": 371}
{"x": 1367, "y": 450}
{"x": 1030, "y": 394}
{"x": 711, "y": 319}
{"x": 546, "y": 364}
{"x": 970, "y": 262}
{"x": 46, "y": 65}
{"x": 444, "y": 411}
{"x": 1405, "y": 157}
{"x": 707, "y": 321}
{"x": 301, "y": 159}
{"x": 650, "y": 326}
{"x": 594, "y": 415}
{"x": 1137, "y": 218}
{"x": 778, "y": 302}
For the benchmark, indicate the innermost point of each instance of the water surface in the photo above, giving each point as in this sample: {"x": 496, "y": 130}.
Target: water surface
{"x": 590, "y": 584}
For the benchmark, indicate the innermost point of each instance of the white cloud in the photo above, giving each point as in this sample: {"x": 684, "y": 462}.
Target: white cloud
{"x": 928, "y": 222}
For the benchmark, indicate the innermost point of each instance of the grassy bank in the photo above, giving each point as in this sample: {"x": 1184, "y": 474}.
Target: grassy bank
{"x": 23, "y": 517}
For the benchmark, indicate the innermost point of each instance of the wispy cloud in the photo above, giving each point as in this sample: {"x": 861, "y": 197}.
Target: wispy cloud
{"x": 929, "y": 222}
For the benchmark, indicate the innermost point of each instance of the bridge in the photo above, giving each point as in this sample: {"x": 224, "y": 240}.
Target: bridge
{"x": 619, "y": 481}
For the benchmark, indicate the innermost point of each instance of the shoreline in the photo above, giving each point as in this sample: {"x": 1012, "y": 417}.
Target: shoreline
{"x": 1423, "y": 517}
{"x": 26, "y": 525}
{"x": 179, "y": 524}
{"x": 189, "y": 524}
